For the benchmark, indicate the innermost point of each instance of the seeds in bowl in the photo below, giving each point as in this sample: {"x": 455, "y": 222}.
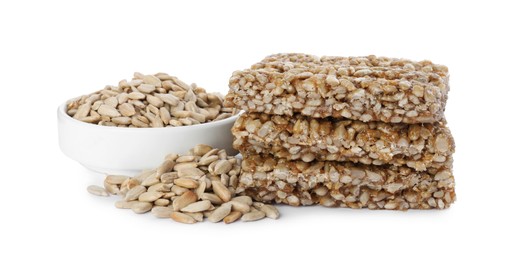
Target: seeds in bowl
{"x": 158, "y": 100}
{"x": 188, "y": 188}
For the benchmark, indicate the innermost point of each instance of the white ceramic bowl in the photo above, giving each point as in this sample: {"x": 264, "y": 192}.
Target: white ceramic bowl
{"x": 120, "y": 150}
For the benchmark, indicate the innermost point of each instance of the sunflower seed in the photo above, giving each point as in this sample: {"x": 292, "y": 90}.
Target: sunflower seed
{"x": 208, "y": 159}
{"x": 220, "y": 213}
{"x": 257, "y": 205}
{"x": 162, "y": 212}
{"x": 233, "y": 181}
{"x": 155, "y": 101}
{"x": 207, "y": 181}
{"x": 116, "y": 179}
{"x": 155, "y": 120}
{"x": 169, "y": 195}
{"x": 168, "y": 177}
{"x": 165, "y": 116}
{"x": 128, "y": 184}
{"x": 198, "y": 216}
{"x": 141, "y": 207}
{"x": 106, "y": 110}
{"x": 224, "y": 179}
{"x": 136, "y": 95}
{"x": 121, "y": 204}
{"x": 83, "y": 110}
{"x": 180, "y": 166}
{"x": 239, "y": 206}
{"x": 244, "y": 199}
{"x": 253, "y": 216}
{"x": 122, "y": 120}
{"x": 197, "y": 206}
{"x": 208, "y": 213}
{"x": 185, "y": 158}
{"x": 222, "y": 167}
{"x": 166, "y": 166}
{"x": 150, "y": 180}
{"x": 153, "y": 80}
{"x": 232, "y": 217}
{"x": 122, "y": 98}
{"x": 201, "y": 149}
{"x": 160, "y": 187}
{"x": 178, "y": 190}
{"x": 91, "y": 119}
{"x": 182, "y": 218}
{"x": 111, "y": 188}
{"x": 127, "y": 109}
{"x": 222, "y": 154}
{"x": 134, "y": 193}
{"x": 221, "y": 191}
{"x": 199, "y": 117}
{"x": 171, "y": 156}
{"x": 146, "y": 88}
{"x": 184, "y": 200}
{"x": 150, "y": 196}
{"x": 169, "y": 99}
{"x": 162, "y": 202}
{"x": 190, "y": 172}
{"x": 97, "y": 190}
{"x": 111, "y": 101}
{"x": 212, "y": 197}
{"x": 270, "y": 211}
{"x": 186, "y": 183}
{"x": 201, "y": 189}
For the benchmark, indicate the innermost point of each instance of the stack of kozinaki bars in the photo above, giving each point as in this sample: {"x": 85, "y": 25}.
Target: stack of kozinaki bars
{"x": 348, "y": 132}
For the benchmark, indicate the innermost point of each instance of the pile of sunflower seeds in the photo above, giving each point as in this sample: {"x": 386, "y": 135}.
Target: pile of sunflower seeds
{"x": 187, "y": 189}
{"x": 158, "y": 100}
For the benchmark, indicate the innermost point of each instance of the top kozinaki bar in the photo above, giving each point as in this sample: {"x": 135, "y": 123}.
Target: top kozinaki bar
{"x": 359, "y": 88}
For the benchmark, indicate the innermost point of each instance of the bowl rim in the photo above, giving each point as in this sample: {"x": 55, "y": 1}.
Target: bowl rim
{"x": 62, "y": 115}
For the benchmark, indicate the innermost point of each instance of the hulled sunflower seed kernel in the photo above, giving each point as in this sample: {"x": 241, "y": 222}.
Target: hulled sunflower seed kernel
{"x": 239, "y": 206}
{"x": 141, "y": 207}
{"x": 232, "y": 217}
{"x": 97, "y": 190}
{"x": 212, "y": 197}
{"x": 221, "y": 191}
{"x": 121, "y": 204}
{"x": 134, "y": 193}
{"x": 116, "y": 179}
{"x": 162, "y": 212}
{"x": 186, "y": 183}
{"x": 162, "y": 202}
{"x": 271, "y": 211}
{"x": 199, "y": 206}
{"x": 182, "y": 218}
{"x": 184, "y": 200}
{"x": 201, "y": 149}
{"x": 220, "y": 213}
{"x": 111, "y": 188}
{"x": 197, "y": 216}
{"x": 244, "y": 199}
{"x": 150, "y": 196}
{"x": 253, "y": 216}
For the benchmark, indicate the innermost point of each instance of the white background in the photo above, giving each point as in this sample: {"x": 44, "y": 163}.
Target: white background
{"x": 51, "y": 51}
